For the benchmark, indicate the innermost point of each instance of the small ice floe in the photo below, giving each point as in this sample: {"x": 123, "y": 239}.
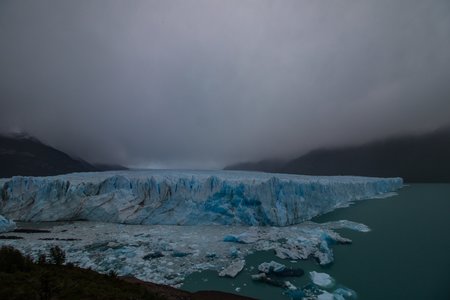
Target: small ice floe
{"x": 259, "y": 276}
{"x": 262, "y": 277}
{"x": 321, "y": 279}
{"x": 309, "y": 291}
{"x": 338, "y": 297}
{"x": 345, "y": 293}
{"x": 271, "y": 267}
{"x": 325, "y": 296}
{"x": 279, "y": 269}
{"x": 267, "y": 269}
{"x": 290, "y": 286}
{"x": 347, "y": 225}
{"x": 233, "y": 269}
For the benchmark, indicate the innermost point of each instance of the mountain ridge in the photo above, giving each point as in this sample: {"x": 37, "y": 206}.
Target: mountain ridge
{"x": 415, "y": 158}
{"x": 25, "y": 155}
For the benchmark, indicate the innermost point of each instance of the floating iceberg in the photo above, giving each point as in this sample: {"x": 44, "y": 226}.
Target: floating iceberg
{"x": 325, "y": 296}
{"x": 272, "y": 267}
{"x": 321, "y": 279}
{"x": 280, "y": 270}
{"x": 345, "y": 293}
{"x": 290, "y": 286}
{"x": 184, "y": 197}
{"x": 6, "y": 225}
{"x": 233, "y": 269}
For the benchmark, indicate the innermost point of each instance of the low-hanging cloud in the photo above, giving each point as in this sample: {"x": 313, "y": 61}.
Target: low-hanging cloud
{"x": 206, "y": 83}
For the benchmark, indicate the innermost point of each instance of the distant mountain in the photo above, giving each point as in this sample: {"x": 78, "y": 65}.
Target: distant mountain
{"x": 27, "y": 156}
{"x": 415, "y": 158}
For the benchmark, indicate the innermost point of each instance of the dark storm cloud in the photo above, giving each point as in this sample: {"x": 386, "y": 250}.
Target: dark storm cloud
{"x": 205, "y": 83}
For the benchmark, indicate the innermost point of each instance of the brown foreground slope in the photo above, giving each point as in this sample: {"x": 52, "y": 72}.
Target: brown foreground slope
{"x": 48, "y": 279}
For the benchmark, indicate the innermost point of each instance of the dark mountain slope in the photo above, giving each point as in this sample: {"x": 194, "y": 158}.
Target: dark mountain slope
{"x": 27, "y": 156}
{"x": 420, "y": 158}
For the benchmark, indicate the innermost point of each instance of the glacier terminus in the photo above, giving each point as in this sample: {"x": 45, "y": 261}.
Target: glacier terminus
{"x": 172, "y": 197}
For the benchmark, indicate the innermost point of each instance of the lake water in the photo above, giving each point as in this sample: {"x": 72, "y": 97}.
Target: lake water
{"x": 405, "y": 256}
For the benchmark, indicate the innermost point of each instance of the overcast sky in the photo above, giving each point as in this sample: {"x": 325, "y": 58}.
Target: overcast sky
{"x": 206, "y": 83}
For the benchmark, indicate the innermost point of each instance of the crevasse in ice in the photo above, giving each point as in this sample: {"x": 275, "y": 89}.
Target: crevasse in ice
{"x": 6, "y": 225}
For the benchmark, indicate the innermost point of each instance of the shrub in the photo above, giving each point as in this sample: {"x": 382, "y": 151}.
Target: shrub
{"x": 57, "y": 255}
{"x": 12, "y": 260}
{"x": 112, "y": 274}
{"x": 42, "y": 259}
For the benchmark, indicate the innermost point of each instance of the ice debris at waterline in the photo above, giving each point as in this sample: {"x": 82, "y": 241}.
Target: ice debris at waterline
{"x": 153, "y": 252}
{"x": 6, "y": 225}
{"x": 184, "y": 197}
{"x": 314, "y": 292}
{"x": 271, "y": 272}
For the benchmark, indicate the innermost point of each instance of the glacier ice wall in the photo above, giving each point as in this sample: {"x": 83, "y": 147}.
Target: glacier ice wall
{"x": 184, "y": 197}
{"x": 6, "y": 225}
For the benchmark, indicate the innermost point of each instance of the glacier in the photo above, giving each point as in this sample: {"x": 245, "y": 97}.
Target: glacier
{"x": 174, "y": 197}
{"x": 123, "y": 221}
{"x": 6, "y": 225}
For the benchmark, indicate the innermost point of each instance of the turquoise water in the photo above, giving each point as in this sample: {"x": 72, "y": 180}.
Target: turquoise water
{"x": 405, "y": 256}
